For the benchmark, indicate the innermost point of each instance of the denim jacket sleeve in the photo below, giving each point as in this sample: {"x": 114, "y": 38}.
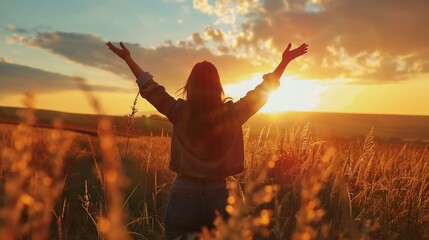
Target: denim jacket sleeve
{"x": 157, "y": 96}
{"x": 255, "y": 99}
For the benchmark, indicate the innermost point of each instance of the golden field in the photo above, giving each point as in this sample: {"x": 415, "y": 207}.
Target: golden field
{"x": 298, "y": 184}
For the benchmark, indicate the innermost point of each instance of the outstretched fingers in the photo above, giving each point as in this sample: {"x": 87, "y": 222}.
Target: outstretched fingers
{"x": 290, "y": 54}
{"x": 123, "y": 46}
{"x": 111, "y": 46}
{"x": 303, "y": 46}
{"x": 122, "y": 52}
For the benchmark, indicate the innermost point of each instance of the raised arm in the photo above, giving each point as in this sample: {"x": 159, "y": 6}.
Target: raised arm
{"x": 125, "y": 54}
{"x": 256, "y": 98}
{"x": 149, "y": 89}
{"x": 287, "y": 56}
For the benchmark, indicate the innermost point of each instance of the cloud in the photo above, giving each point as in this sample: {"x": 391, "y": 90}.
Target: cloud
{"x": 226, "y": 10}
{"x": 216, "y": 34}
{"x": 10, "y": 27}
{"x": 16, "y": 37}
{"x": 5, "y": 60}
{"x": 203, "y": 6}
{"x": 197, "y": 39}
{"x": 169, "y": 64}
{"x": 344, "y": 36}
{"x": 16, "y": 79}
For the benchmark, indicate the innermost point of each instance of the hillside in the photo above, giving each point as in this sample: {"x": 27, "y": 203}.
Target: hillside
{"x": 349, "y": 125}
{"x": 343, "y": 125}
{"x": 88, "y": 123}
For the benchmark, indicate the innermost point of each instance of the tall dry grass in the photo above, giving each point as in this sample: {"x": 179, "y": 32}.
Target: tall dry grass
{"x": 297, "y": 185}
{"x": 32, "y": 179}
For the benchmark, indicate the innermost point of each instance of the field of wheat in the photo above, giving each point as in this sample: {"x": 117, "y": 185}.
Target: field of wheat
{"x": 297, "y": 184}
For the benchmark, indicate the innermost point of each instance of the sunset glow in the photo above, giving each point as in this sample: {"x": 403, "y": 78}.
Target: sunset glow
{"x": 292, "y": 95}
{"x": 367, "y": 64}
{"x": 214, "y": 119}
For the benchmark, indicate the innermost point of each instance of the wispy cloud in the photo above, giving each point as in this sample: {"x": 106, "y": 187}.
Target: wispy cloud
{"x": 16, "y": 79}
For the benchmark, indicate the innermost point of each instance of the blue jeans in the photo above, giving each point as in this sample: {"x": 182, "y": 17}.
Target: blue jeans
{"x": 192, "y": 205}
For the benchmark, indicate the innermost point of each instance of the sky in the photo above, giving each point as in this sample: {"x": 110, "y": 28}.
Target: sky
{"x": 365, "y": 56}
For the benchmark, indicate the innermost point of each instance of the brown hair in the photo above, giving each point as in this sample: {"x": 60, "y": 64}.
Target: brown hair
{"x": 204, "y": 94}
{"x": 204, "y": 91}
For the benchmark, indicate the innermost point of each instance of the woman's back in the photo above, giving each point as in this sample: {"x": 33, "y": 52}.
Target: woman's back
{"x": 207, "y": 140}
{"x": 206, "y": 150}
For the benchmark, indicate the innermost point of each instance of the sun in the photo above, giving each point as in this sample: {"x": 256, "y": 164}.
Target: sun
{"x": 292, "y": 95}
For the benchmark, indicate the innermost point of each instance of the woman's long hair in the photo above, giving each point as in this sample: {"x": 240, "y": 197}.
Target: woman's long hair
{"x": 204, "y": 94}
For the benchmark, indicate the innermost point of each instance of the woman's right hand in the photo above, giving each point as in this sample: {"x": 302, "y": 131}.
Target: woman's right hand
{"x": 122, "y": 52}
{"x": 289, "y": 55}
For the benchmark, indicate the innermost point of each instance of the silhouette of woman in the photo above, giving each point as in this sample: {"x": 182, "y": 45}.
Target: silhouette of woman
{"x": 207, "y": 138}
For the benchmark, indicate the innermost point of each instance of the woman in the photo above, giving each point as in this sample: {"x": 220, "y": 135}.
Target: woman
{"x": 207, "y": 138}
